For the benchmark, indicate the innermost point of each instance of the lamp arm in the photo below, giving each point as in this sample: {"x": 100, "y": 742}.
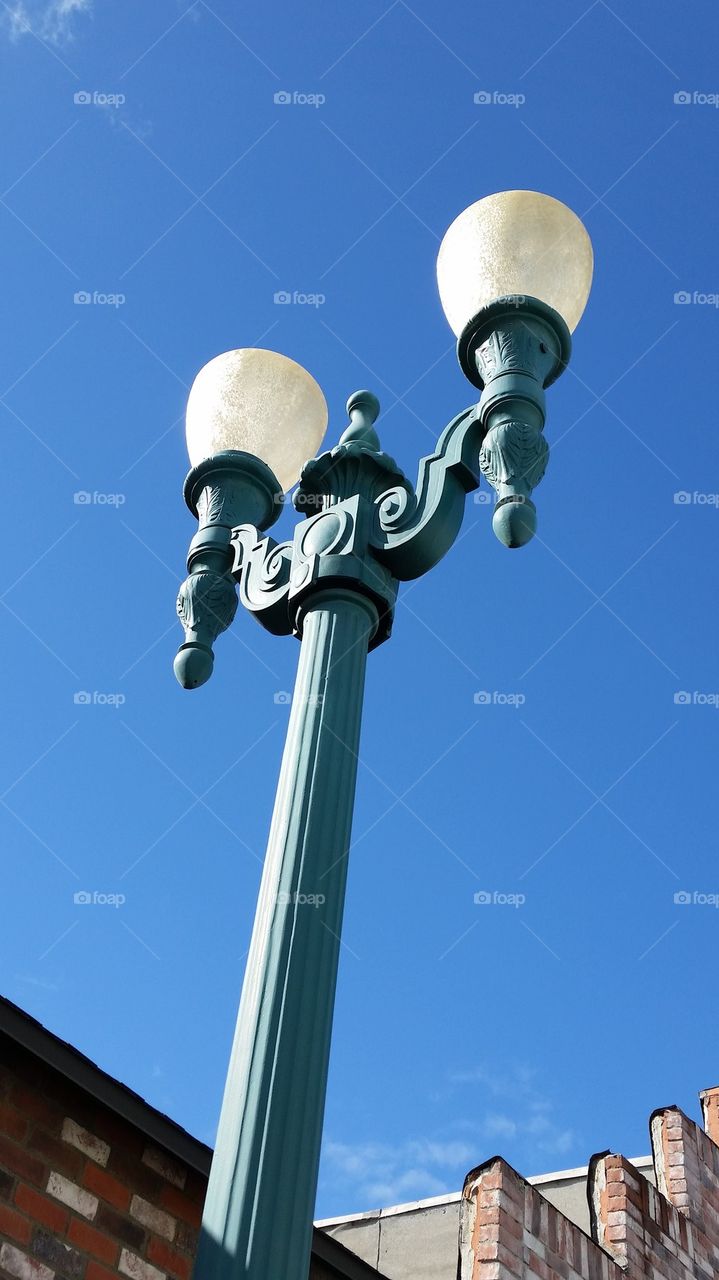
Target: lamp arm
{"x": 262, "y": 568}
{"x": 415, "y": 528}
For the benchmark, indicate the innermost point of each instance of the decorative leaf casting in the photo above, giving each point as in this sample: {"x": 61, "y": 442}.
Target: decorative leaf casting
{"x": 513, "y": 457}
{"x": 206, "y": 604}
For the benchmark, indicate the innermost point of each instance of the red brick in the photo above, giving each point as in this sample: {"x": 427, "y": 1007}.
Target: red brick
{"x": 96, "y": 1272}
{"x": 161, "y": 1253}
{"x": 19, "y": 1161}
{"x": 12, "y": 1123}
{"x": 115, "y": 1224}
{"x": 106, "y": 1187}
{"x": 58, "y": 1154}
{"x": 41, "y": 1209}
{"x": 539, "y": 1267}
{"x": 92, "y": 1241}
{"x": 125, "y": 1164}
{"x": 181, "y": 1205}
{"x": 13, "y": 1225}
{"x": 196, "y": 1185}
{"x": 185, "y": 1238}
{"x": 34, "y": 1105}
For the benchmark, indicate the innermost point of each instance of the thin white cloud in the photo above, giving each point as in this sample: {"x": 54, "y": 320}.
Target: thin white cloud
{"x": 504, "y": 1112}
{"x": 52, "y": 20}
{"x": 520, "y": 1114}
{"x": 377, "y": 1174}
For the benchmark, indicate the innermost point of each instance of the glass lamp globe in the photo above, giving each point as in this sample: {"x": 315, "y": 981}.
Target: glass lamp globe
{"x": 259, "y": 402}
{"x": 515, "y": 242}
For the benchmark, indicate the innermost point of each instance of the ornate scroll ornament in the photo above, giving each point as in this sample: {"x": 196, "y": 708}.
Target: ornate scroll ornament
{"x": 351, "y": 467}
{"x": 415, "y": 528}
{"x": 262, "y": 569}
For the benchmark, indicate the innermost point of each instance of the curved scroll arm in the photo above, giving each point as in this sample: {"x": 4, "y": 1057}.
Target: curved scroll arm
{"x": 414, "y": 530}
{"x": 262, "y": 568}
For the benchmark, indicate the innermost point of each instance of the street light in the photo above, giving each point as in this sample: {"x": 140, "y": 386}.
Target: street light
{"x": 514, "y": 274}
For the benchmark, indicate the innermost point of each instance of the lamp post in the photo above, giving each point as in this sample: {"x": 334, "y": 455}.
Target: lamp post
{"x": 514, "y": 273}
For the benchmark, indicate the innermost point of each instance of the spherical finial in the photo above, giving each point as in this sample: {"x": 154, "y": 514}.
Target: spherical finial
{"x": 366, "y": 401}
{"x": 193, "y": 665}
{"x": 363, "y": 410}
{"x": 515, "y": 523}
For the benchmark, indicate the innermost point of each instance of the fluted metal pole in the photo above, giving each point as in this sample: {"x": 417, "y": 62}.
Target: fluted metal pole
{"x": 260, "y": 1201}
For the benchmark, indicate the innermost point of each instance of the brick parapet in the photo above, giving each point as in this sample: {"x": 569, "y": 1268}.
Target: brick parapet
{"x": 665, "y": 1232}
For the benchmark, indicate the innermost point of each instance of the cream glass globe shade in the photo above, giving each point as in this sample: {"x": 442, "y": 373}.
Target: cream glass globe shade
{"x": 515, "y": 242}
{"x": 260, "y": 402}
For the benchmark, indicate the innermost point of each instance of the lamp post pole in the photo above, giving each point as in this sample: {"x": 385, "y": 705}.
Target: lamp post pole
{"x": 260, "y": 1199}
{"x": 334, "y": 586}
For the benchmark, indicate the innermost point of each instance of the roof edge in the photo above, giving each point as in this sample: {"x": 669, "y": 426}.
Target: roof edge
{"x": 80, "y": 1070}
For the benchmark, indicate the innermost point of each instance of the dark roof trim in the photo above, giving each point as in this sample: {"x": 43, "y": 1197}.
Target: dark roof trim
{"x": 85, "y": 1074}
{"x": 62, "y": 1057}
{"x": 339, "y": 1260}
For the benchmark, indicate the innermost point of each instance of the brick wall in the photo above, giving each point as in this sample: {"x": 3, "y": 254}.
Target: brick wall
{"x": 83, "y": 1194}
{"x": 671, "y": 1232}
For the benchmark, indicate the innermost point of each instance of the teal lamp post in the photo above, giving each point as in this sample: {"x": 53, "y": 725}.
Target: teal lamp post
{"x": 514, "y": 274}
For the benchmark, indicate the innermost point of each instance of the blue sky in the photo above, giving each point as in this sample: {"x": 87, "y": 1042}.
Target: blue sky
{"x": 545, "y": 1031}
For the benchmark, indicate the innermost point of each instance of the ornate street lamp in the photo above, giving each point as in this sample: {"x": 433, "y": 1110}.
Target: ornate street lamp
{"x": 514, "y": 274}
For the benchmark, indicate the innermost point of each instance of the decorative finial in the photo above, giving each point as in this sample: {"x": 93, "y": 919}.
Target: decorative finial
{"x": 363, "y": 410}
{"x": 514, "y": 521}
